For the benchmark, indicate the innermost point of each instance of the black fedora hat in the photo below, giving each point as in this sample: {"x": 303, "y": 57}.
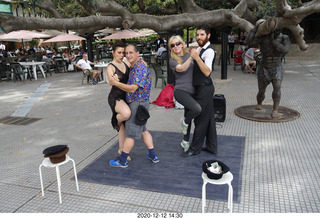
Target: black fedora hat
{"x": 56, "y": 153}
{"x": 142, "y": 115}
{"x": 212, "y": 175}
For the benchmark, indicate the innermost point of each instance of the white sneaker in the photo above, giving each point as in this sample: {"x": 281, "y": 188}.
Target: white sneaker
{"x": 184, "y": 126}
{"x": 185, "y": 145}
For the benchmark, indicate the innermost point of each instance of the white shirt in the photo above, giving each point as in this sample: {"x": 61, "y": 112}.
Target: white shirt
{"x": 208, "y": 55}
{"x": 84, "y": 64}
{"x": 230, "y": 38}
{"x": 2, "y": 46}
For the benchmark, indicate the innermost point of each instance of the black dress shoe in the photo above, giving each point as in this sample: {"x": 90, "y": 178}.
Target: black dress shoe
{"x": 206, "y": 149}
{"x": 187, "y": 154}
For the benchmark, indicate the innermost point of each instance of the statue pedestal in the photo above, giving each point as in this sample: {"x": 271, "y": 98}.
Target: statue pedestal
{"x": 264, "y": 115}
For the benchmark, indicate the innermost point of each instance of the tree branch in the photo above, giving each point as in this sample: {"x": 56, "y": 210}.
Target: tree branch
{"x": 87, "y": 6}
{"x": 188, "y": 6}
{"x": 303, "y": 11}
{"x": 11, "y": 23}
{"x": 193, "y": 15}
{"x": 281, "y": 7}
{"x": 298, "y": 33}
{"x": 48, "y": 6}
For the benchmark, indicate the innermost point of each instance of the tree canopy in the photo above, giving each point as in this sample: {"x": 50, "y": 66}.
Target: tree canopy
{"x": 92, "y": 15}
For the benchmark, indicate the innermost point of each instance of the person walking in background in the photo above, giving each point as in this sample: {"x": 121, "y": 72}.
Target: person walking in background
{"x": 231, "y": 39}
{"x": 181, "y": 64}
{"x": 117, "y": 97}
{"x": 158, "y": 42}
{"x": 138, "y": 93}
{"x": 242, "y": 40}
{"x": 205, "y": 125}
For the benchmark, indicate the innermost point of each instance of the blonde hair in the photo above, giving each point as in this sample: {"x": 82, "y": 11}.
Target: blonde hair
{"x": 184, "y": 49}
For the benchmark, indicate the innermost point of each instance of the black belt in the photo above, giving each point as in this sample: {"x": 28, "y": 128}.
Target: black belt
{"x": 206, "y": 82}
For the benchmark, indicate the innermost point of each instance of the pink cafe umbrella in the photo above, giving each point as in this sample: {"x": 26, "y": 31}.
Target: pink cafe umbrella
{"x": 65, "y": 37}
{"x": 124, "y": 34}
{"x": 22, "y": 35}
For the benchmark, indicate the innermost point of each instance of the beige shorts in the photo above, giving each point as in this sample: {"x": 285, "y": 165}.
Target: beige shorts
{"x": 91, "y": 71}
{"x": 250, "y": 62}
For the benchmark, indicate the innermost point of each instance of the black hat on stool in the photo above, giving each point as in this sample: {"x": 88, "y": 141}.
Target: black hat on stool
{"x": 212, "y": 175}
{"x": 56, "y": 153}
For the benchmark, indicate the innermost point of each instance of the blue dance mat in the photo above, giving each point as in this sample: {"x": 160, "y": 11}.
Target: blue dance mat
{"x": 173, "y": 174}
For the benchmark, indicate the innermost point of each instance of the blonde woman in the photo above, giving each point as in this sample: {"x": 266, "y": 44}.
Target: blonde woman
{"x": 181, "y": 64}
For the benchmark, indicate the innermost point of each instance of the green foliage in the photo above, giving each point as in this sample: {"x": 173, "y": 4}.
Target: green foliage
{"x": 212, "y": 5}
{"x": 268, "y": 8}
{"x": 70, "y": 8}
{"x": 192, "y": 33}
{"x": 33, "y": 43}
{"x": 154, "y": 6}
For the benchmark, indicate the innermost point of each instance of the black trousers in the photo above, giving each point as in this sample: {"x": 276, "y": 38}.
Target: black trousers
{"x": 231, "y": 49}
{"x": 205, "y": 125}
{"x": 191, "y": 108}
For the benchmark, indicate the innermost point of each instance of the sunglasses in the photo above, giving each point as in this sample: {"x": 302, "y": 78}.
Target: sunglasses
{"x": 176, "y": 44}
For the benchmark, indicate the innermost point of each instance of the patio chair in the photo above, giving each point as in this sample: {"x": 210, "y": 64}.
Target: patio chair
{"x": 19, "y": 71}
{"x": 147, "y": 57}
{"x": 48, "y": 67}
{"x": 74, "y": 62}
{"x": 86, "y": 74}
{"x": 163, "y": 57}
{"x": 4, "y": 71}
{"x": 159, "y": 73}
{"x": 60, "y": 63}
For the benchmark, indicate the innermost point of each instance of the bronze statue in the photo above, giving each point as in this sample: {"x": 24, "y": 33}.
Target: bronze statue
{"x": 273, "y": 46}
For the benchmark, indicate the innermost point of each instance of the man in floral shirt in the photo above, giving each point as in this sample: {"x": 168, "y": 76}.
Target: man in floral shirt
{"x": 138, "y": 92}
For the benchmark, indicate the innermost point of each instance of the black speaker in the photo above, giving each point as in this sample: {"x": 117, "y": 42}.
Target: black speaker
{"x": 219, "y": 104}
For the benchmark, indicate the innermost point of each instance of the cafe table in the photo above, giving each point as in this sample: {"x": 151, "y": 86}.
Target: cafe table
{"x": 104, "y": 70}
{"x": 34, "y": 67}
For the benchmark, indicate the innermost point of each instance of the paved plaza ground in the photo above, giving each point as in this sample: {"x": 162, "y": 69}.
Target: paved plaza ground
{"x": 280, "y": 163}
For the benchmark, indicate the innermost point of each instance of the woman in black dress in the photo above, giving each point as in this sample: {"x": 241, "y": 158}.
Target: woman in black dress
{"x": 117, "y": 97}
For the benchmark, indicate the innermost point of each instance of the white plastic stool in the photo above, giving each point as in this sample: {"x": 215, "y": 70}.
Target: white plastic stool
{"x": 226, "y": 179}
{"x": 47, "y": 163}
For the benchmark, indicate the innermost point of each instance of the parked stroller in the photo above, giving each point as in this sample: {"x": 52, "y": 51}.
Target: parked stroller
{"x": 238, "y": 59}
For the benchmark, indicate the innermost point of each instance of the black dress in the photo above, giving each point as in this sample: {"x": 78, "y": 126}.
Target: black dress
{"x": 117, "y": 94}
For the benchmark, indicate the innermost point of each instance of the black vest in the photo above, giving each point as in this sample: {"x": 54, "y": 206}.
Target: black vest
{"x": 198, "y": 77}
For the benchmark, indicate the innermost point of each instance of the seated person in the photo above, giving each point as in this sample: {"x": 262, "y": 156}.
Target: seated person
{"x": 44, "y": 55}
{"x": 85, "y": 64}
{"x": 49, "y": 52}
{"x": 82, "y": 52}
{"x": 66, "y": 54}
{"x": 68, "y": 58}
{"x": 249, "y": 59}
{"x": 160, "y": 51}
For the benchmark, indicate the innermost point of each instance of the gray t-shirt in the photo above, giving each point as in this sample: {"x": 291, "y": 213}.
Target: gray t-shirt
{"x": 183, "y": 79}
{"x": 250, "y": 53}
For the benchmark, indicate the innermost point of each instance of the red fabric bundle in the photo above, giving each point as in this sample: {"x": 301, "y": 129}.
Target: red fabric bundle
{"x": 165, "y": 97}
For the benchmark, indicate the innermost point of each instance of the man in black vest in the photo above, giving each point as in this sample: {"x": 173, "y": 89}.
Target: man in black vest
{"x": 205, "y": 126}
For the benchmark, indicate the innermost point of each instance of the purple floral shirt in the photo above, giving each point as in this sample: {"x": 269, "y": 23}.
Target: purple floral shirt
{"x": 139, "y": 75}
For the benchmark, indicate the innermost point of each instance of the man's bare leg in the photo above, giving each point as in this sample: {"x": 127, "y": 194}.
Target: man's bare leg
{"x": 147, "y": 139}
